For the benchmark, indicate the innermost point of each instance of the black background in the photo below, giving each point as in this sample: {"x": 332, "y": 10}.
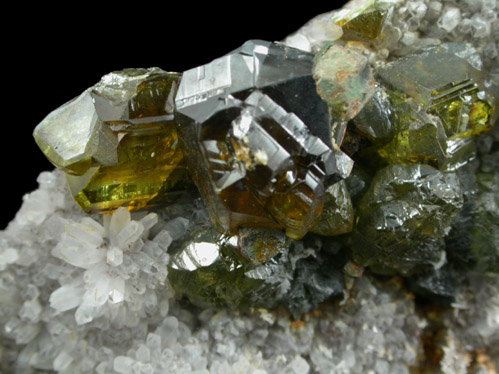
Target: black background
{"x": 54, "y": 54}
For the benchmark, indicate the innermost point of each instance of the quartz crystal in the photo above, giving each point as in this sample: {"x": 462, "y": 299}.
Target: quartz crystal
{"x": 117, "y": 142}
{"x": 257, "y": 138}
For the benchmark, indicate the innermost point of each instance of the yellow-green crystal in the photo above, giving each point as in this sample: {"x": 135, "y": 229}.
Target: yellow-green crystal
{"x": 149, "y": 164}
{"x": 127, "y": 147}
{"x": 365, "y": 26}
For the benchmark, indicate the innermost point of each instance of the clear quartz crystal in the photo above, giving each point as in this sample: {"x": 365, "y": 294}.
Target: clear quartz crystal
{"x": 450, "y": 18}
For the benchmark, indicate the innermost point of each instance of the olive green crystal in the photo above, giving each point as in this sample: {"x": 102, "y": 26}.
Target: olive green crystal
{"x": 366, "y": 23}
{"x": 208, "y": 270}
{"x": 403, "y": 216}
{"x": 207, "y": 267}
{"x": 337, "y": 215}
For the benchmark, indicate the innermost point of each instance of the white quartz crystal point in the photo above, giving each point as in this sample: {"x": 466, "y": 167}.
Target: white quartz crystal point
{"x": 79, "y": 246}
{"x": 67, "y": 297}
{"x": 115, "y": 223}
{"x": 450, "y": 18}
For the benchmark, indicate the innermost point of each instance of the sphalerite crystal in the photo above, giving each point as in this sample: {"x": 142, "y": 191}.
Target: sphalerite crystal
{"x": 258, "y": 139}
{"x": 402, "y": 217}
{"x": 209, "y": 269}
{"x": 118, "y": 142}
{"x": 311, "y": 167}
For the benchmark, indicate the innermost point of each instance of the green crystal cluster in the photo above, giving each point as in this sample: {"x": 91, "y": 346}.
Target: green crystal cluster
{"x": 310, "y": 167}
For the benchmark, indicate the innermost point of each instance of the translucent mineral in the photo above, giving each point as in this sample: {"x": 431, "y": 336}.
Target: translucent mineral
{"x": 449, "y": 81}
{"x": 365, "y": 22}
{"x": 337, "y": 215}
{"x": 117, "y": 141}
{"x": 257, "y": 138}
{"x": 411, "y": 228}
{"x": 375, "y": 119}
{"x": 208, "y": 268}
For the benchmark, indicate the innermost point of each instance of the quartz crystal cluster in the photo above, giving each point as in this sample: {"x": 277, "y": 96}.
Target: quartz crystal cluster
{"x": 327, "y": 204}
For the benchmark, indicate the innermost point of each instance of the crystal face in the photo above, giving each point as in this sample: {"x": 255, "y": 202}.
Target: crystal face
{"x": 257, "y": 139}
{"x": 125, "y": 151}
{"x": 366, "y": 23}
{"x": 402, "y": 217}
{"x": 409, "y": 94}
{"x": 344, "y": 81}
{"x": 208, "y": 268}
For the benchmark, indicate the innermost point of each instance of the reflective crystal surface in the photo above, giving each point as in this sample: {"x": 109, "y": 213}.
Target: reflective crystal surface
{"x": 337, "y": 215}
{"x": 403, "y": 216}
{"x": 430, "y": 115}
{"x": 207, "y": 268}
{"x": 257, "y": 138}
{"x": 366, "y": 22}
{"x": 118, "y": 142}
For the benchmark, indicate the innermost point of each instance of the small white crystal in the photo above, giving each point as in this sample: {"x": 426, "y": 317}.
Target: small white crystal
{"x": 298, "y": 366}
{"x": 164, "y": 239}
{"x": 82, "y": 233}
{"x": 92, "y": 224}
{"x": 98, "y": 293}
{"x": 78, "y": 253}
{"x": 67, "y": 297}
{"x": 114, "y": 256}
{"x": 8, "y": 256}
{"x": 25, "y": 333}
{"x": 62, "y": 361}
{"x": 30, "y": 310}
{"x": 153, "y": 341}
{"x": 84, "y": 314}
{"x": 409, "y": 38}
{"x": 480, "y": 27}
{"x": 120, "y": 218}
{"x": 123, "y": 364}
{"x": 143, "y": 354}
{"x": 31, "y": 292}
{"x": 117, "y": 293}
{"x": 450, "y": 18}
{"x": 298, "y": 41}
{"x": 417, "y": 9}
{"x": 149, "y": 221}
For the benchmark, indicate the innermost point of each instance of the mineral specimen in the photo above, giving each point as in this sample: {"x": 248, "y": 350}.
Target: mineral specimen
{"x": 118, "y": 142}
{"x": 344, "y": 81}
{"x": 258, "y": 139}
{"x": 403, "y": 216}
{"x": 366, "y": 22}
{"x": 208, "y": 269}
{"x": 288, "y": 277}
